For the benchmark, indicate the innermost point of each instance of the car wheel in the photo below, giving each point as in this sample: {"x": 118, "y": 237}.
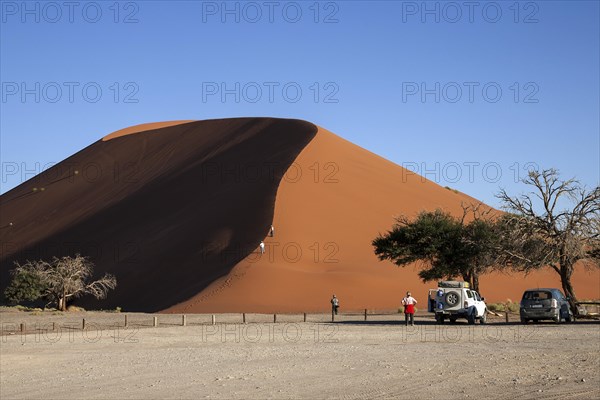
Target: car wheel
{"x": 524, "y": 321}
{"x": 557, "y": 319}
{"x": 452, "y": 320}
{"x": 569, "y": 319}
{"x": 471, "y": 318}
{"x": 483, "y": 318}
{"x": 452, "y": 298}
{"x": 439, "y": 318}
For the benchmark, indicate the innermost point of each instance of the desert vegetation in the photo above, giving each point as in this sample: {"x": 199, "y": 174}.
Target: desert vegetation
{"x": 554, "y": 226}
{"x": 445, "y": 246}
{"x": 57, "y": 281}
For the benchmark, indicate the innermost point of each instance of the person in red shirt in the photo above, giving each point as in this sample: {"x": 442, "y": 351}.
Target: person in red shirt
{"x": 409, "y": 308}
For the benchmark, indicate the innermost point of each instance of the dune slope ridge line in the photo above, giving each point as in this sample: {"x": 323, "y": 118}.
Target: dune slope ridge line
{"x": 333, "y": 201}
{"x": 167, "y": 209}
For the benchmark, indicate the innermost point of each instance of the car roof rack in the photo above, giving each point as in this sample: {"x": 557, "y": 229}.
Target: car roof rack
{"x": 453, "y": 284}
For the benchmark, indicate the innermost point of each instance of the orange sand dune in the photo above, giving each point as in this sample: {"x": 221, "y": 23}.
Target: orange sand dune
{"x": 166, "y": 210}
{"x": 176, "y": 211}
{"x": 331, "y": 204}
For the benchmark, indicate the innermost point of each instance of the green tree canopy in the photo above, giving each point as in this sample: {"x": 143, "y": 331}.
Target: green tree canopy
{"x": 25, "y": 286}
{"x": 58, "y": 281}
{"x": 445, "y": 246}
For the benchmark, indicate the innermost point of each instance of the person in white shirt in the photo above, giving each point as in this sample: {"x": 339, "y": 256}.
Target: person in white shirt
{"x": 262, "y": 247}
{"x": 335, "y": 304}
{"x": 409, "y": 308}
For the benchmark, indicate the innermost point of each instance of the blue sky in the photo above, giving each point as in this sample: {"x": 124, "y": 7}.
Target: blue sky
{"x": 470, "y": 97}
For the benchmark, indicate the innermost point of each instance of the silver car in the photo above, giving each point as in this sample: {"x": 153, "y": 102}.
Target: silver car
{"x": 539, "y": 304}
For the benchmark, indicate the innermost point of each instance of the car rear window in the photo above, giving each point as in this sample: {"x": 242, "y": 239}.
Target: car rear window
{"x": 537, "y": 295}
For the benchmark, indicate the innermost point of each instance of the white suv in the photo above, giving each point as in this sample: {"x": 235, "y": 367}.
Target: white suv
{"x": 453, "y": 300}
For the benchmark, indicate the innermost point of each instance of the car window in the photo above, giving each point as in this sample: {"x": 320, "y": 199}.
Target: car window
{"x": 537, "y": 295}
{"x": 469, "y": 294}
{"x": 477, "y": 297}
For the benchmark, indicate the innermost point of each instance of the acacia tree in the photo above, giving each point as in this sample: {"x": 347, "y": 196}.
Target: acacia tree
{"x": 60, "y": 280}
{"x": 25, "y": 286}
{"x": 444, "y": 245}
{"x": 537, "y": 234}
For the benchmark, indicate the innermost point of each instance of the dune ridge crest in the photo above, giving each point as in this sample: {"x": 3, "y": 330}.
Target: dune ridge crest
{"x": 149, "y": 126}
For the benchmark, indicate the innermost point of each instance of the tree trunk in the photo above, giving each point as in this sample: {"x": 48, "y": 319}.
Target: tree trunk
{"x": 63, "y": 301}
{"x": 475, "y": 285}
{"x": 58, "y": 301}
{"x": 467, "y": 277}
{"x": 565, "y": 279}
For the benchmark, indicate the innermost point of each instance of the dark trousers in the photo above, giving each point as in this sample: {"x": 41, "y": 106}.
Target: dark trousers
{"x": 334, "y": 309}
{"x": 411, "y": 317}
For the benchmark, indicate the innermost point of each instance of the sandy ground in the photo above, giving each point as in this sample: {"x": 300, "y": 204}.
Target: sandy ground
{"x": 291, "y": 359}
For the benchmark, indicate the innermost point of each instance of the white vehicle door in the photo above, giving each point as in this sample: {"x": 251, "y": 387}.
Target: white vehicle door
{"x": 479, "y": 304}
{"x": 469, "y": 298}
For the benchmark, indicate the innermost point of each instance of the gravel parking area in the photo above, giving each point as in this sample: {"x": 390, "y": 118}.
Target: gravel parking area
{"x": 350, "y": 359}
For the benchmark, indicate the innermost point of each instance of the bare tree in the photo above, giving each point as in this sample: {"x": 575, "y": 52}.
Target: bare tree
{"x": 541, "y": 231}
{"x": 66, "y": 278}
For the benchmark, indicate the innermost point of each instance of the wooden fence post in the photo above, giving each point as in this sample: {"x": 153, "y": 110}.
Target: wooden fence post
{"x": 365, "y": 314}
{"x": 214, "y": 320}
{"x": 22, "y": 327}
{"x": 183, "y": 322}
{"x": 125, "y": 320}
{"x": 155, "y": 321}
{"x": 244, "y": 318}
{"x": 274, "y": 318}
{"x": 304, "y": 317}
{"x": 83, "y": 324}
{"x": 53, "y": 328}
{"x": 506, "y": 315}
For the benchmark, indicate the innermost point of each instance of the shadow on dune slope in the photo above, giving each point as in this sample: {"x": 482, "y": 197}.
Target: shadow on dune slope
{"x": 167, "y": 210}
